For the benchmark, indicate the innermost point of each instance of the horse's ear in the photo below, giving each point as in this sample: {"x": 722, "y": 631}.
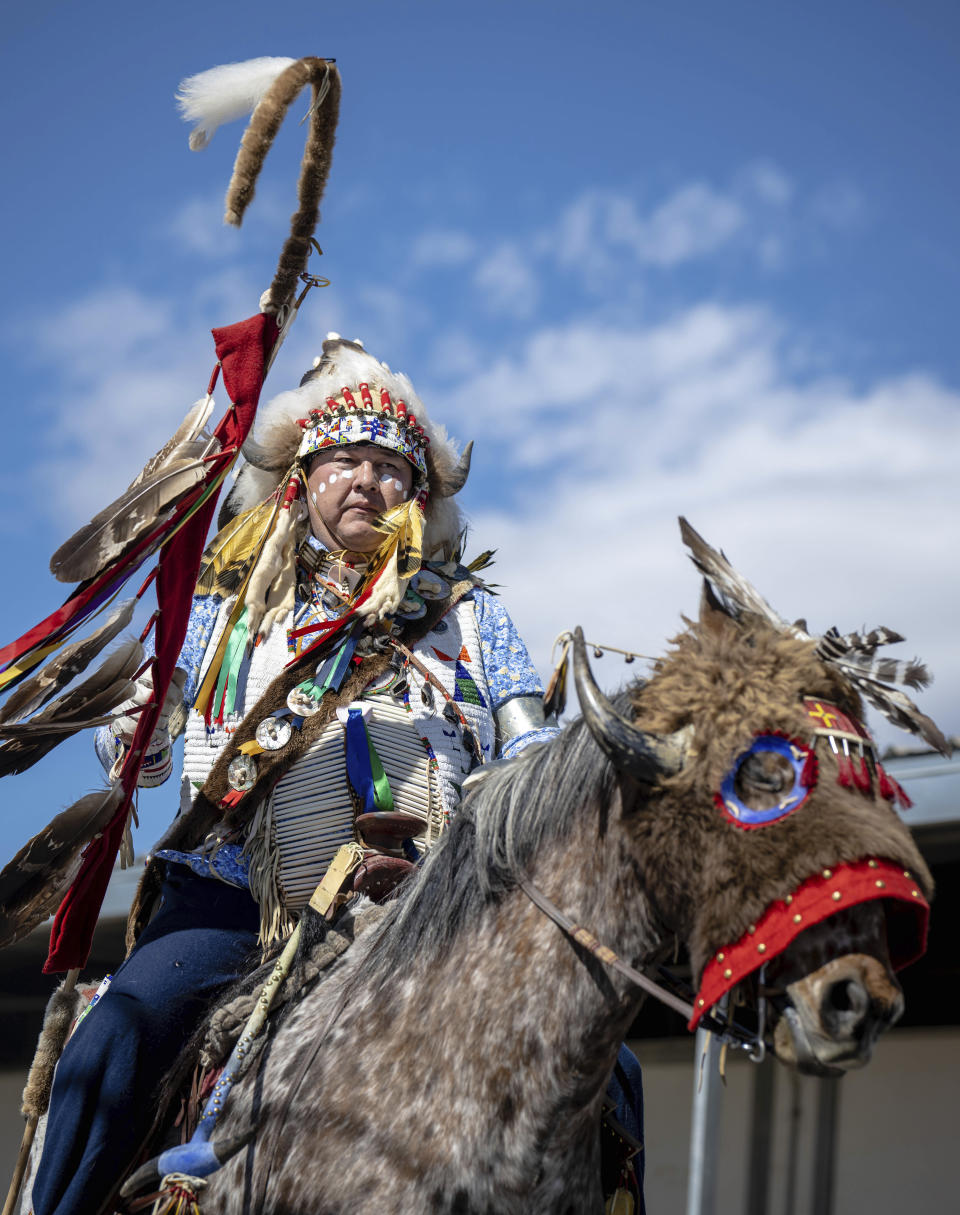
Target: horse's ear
{"x": 713, "y": 614}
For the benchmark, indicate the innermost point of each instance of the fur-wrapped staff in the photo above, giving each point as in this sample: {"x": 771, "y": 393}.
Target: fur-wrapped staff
{"x": 167, "y": 510}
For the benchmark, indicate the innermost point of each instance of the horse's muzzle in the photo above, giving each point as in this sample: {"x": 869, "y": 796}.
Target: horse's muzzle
{"x": 835, "y": 1015}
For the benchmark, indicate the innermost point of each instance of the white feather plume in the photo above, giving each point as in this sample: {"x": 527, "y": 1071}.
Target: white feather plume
{"x": 222, "y": 94}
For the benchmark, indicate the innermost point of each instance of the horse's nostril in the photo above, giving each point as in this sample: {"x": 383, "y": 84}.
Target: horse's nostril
{"x": 844, "y": 1008}
{"x": 838, "y": 997}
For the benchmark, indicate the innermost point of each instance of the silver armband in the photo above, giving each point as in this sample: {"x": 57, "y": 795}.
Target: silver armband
{"x": 519, "y": 715}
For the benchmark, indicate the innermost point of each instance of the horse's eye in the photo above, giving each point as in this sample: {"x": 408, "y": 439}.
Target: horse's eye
{"x": 766, "y": 782}
{"x": 762, "y": 778}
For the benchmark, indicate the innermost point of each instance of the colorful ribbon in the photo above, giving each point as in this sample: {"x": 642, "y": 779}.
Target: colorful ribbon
{"x": 364, "y": 768}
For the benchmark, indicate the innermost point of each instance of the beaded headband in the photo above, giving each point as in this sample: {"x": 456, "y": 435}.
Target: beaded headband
{"x": 344, "y": 420}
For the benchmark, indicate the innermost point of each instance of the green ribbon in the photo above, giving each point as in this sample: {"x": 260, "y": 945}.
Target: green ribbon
{"x": 230, "y": 670}
{"x": 382, "y": 793}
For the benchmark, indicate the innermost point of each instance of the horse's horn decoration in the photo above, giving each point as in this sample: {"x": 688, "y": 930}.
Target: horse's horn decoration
{"x": 647, "y": 757}
{"x": 167, "y": 510}
{"x": 853, "y": 654}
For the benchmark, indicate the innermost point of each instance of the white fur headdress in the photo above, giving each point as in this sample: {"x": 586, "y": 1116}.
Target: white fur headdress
{"x": 347, "y": 365}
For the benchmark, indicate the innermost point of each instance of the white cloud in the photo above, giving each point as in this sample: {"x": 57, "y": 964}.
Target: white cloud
{"x": 506, "y": 282}
{"x": 838, "y": 502}
{"x": 445, "y": 247}
{"x": 573, "y": 371}
{"x": 767, "y": 182}
{"x": 695, "y": 221}
{"x": 126, "y": 367}
{"x": 838, "y": 204}
{"x": 388, "y": 319}
{"x": 839, "y": 505}
{"x": 597, "y": 229}
{"x": 602, "y": 233}
{"x": 197, "y": 227}
{"x": 89, "y": 334}
{"x": 455, "y": 354}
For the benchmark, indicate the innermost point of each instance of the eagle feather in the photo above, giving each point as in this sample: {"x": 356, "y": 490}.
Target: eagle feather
{"x": 61, "y": 670}
{"x": 34, "y": 882}
{"x": 109, "y": 686}
{"x": 233, "y": 550}
{"x": 119, "y": 526}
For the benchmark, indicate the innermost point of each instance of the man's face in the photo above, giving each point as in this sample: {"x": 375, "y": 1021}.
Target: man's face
{"x": 347, "y": 487}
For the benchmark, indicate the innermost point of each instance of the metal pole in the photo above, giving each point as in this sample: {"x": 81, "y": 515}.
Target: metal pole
{"x": 761, "y": 1139}
{"x": 793, "y": 1146}
{"x": 705, "y": 1129}
{"x": 824, "y": 1152}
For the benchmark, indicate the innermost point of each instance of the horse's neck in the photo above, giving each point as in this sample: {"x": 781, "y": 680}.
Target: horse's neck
{"x": 517, "y": 989}
{"x": 592, "y": 880}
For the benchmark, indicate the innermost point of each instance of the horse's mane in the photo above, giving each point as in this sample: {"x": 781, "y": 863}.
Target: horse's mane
{"x": 516, "y": 809}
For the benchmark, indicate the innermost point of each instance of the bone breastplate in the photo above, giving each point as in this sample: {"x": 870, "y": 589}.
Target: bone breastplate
{"x": 310, "y": 813}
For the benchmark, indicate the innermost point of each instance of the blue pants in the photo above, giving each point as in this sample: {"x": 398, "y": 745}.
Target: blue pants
{"x": 629, "y": 1112}
{"x": 102, "y": 1103}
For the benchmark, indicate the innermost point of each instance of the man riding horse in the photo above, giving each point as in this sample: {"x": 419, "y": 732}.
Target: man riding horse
{"x": 422, "y": 680}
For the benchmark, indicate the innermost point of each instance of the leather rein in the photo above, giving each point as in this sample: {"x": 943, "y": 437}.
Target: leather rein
{"x": 728, "y": 1031}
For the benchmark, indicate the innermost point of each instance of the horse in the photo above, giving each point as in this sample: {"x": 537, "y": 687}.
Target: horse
{"x": 455, "y": 1059}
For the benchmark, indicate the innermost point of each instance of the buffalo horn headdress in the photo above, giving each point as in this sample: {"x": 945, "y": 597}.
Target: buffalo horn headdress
{"x": 854, "y": 655}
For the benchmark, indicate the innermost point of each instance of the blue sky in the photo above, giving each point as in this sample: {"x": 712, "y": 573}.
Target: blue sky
{"x": 655, "y": 259}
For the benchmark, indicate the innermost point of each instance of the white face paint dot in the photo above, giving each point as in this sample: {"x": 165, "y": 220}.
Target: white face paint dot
{"x": 332, "y": 478}
{"x": 398, "y": 486}
{"x": 313, "y": 495}
{"x": 321, "y": 488}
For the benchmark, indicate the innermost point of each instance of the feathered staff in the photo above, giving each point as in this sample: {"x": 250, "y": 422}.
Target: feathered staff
{"x": 167, "y": 510}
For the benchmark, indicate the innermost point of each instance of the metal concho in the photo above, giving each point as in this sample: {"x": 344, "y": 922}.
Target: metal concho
{"x": 273, "y": 733}
{"x": 242, "y": 773}
{"x": 302, "y": 703}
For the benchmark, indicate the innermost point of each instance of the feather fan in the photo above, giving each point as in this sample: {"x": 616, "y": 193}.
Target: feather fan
{"x": 187, "y": 440}
{"x": 135, "y": 513}
{"x": 223, "y": 94}
{"x": 34, "y": 882}
{"x": 148, "y": 500}
{"x": 72, "y": 660}
{"x": 109, "y": 686}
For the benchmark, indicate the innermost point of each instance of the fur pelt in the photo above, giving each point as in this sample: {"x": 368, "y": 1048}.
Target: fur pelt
{"x": 225, "y": 93}
{"x": 62, "y": 1010}
{"x": 268, "y": 87}
{"x": 728, "y": 679}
